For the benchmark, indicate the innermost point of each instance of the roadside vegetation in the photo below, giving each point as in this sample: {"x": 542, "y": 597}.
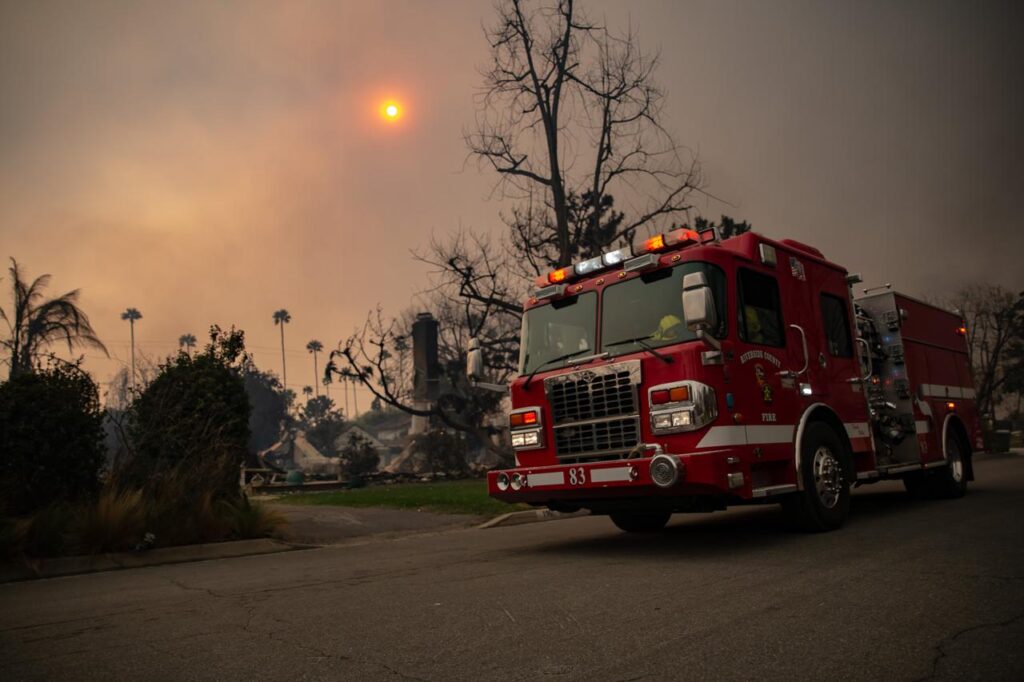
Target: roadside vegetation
{"x": 447, "y": 497}
{"x": 173, "y": 477}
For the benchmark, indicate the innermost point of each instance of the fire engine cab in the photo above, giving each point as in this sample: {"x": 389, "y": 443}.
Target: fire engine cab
{"x": 701, "y": 372}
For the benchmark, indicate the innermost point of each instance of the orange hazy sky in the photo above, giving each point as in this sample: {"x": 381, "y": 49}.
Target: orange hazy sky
{"x": 212, "y": 162}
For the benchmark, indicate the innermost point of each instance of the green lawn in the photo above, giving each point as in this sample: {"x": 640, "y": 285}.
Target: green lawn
{"x": 448, "y": 497}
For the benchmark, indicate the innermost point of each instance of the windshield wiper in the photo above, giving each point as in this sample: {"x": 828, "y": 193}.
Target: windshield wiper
{"x": 560, "y": 358}
{"x": 642, "y": 342}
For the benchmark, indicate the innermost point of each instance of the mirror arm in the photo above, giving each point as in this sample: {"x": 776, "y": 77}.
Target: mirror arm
{"x": 710, "y": 341}
{"x": 497, "y": 388}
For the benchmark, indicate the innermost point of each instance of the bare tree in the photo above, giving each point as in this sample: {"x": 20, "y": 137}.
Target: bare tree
{"x": 994, "y": 318}
{"x": 570, "y": 119}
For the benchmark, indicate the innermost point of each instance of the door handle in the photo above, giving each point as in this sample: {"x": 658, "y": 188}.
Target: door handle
{"x": 871, "y": 366}
{"x": 807, "y": 357}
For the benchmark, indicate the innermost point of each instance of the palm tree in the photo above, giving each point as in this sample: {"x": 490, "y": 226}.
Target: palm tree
{"x": 307, "y": 391}
{"x": 327, "y": 387}
{"x": 132, "y": 314}
{"x": 34, "y": 323}
{"x": 315, "y": 347}
{"x": 188, "y": 342}
{"x": 283, "y": 317}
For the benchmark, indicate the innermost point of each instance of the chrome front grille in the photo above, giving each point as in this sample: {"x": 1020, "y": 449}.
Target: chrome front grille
{"x": 595, "y": 412}
{"x": 605, "y": 439}
{"x": 592, "y": 395}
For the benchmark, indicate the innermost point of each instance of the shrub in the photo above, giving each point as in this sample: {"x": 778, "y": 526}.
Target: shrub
{"x": 247, "y": 519}
{"x": 51, "y": 439}
{"x": 115, "y": 522}
{"x": 358, "y": 457}
{"x": 191, "y": 422}
{"x": 45, "y": 533}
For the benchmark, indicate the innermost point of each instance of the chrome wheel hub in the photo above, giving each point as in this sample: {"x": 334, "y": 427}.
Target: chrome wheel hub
{"x": 956, "y": 465}
{"x": 828, "y": 477}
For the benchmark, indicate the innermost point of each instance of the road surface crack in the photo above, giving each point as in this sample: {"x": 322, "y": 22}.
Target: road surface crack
{"x": 940, "y": 648}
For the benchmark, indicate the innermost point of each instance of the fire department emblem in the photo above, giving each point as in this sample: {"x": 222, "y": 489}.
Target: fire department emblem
{"x": 766, "y": 389}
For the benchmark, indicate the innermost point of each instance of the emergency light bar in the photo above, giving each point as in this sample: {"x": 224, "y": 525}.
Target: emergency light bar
{"x": 547, "y": 285}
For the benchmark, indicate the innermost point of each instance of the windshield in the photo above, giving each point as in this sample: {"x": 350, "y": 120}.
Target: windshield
{"x": 648, "y": 310}
{"x": 561, "y": 328}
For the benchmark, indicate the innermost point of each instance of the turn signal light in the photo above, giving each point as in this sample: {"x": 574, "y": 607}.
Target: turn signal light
{"x": 522, "y": 418}
{"x": 951, "y": 405}
{"x": 679, "y": 393}
{"x": 961, "y": 330}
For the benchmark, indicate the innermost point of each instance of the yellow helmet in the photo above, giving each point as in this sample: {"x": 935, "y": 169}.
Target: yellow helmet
{"x": 666, "y": 328}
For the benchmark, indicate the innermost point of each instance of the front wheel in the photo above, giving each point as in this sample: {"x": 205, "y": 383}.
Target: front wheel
{"x": 824, "y": 502}
{"x": 640, "y": 522}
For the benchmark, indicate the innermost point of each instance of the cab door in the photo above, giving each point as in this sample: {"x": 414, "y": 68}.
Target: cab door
{"x": 834, "y": 368}
{"x": 770, "y": 402}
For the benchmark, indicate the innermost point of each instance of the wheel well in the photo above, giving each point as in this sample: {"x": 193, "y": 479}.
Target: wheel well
{"x": 822, "y": 414}
{"x": 953, "y": 424}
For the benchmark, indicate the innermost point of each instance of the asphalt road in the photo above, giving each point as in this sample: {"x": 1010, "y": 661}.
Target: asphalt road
{"x": 908, "y": 590}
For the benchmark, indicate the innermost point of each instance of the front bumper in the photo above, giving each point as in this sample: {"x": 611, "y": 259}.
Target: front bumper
{"x": 699, "y": 474}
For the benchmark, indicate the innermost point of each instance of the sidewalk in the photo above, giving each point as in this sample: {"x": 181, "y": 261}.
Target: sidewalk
{"x": 326, "y": 525}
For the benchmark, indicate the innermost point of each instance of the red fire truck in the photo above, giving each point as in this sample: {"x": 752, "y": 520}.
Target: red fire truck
{"x": 701, "y": 372}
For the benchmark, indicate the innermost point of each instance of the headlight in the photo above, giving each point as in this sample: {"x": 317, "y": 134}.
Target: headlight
{"x": 526, "y": 439}
{"x": 672, "y": 420}
{"x": 682, "y": 406}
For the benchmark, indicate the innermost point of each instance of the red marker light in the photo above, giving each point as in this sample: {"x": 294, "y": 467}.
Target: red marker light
{"x": 951, "y": 405}
{"x": 530, "y": 417}
{"x": 961, "y": 330}
{"x": 659, "y": 397}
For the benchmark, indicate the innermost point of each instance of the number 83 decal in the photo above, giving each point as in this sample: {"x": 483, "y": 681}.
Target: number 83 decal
{"x": 577, "y": 476}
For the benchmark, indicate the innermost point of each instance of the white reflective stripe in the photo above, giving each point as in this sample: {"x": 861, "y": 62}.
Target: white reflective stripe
{"x": 776, "y": 433}
{"x": 925, "y": 408}
{"x": 922, "y": 426}
{"x": 718, "y": 436}
{"x": 552, "y": 478}
{"x": 610, "y": 474}
{"x": 857, "y": 430}
{"x": 943, "y": 391}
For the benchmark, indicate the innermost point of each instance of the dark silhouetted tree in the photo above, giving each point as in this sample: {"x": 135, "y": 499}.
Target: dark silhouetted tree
{"x": 34, "y": 322}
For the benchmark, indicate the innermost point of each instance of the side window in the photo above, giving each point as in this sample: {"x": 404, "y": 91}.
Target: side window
{"x": 837, "y": 326}
{"x": 760, "y": 311}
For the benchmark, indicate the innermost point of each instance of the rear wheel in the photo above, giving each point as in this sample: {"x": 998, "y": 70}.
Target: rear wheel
{"x": 640, "y": 522}
{"x": 950, "y": 481}
{"x": 824, "y": 502}
{"x": 946, "y": 482}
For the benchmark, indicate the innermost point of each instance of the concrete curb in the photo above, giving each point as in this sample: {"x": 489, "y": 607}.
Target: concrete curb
{"x": 531, "y": 516}
{"x": 75, "y": 565}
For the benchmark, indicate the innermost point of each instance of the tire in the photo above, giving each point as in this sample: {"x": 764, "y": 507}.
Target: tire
{"x": 943, "y": 483}
{"x": 640, "y": 522}
{"x": 824, "y": 502}
{"x": 950, "y": 482}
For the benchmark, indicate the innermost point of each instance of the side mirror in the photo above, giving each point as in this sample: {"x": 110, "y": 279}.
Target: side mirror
{"x": 474, "y": 361}
{"x": 698, "y": 303}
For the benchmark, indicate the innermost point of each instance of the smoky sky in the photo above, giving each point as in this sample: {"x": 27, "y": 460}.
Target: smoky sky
{"x": 211, "y": 162}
